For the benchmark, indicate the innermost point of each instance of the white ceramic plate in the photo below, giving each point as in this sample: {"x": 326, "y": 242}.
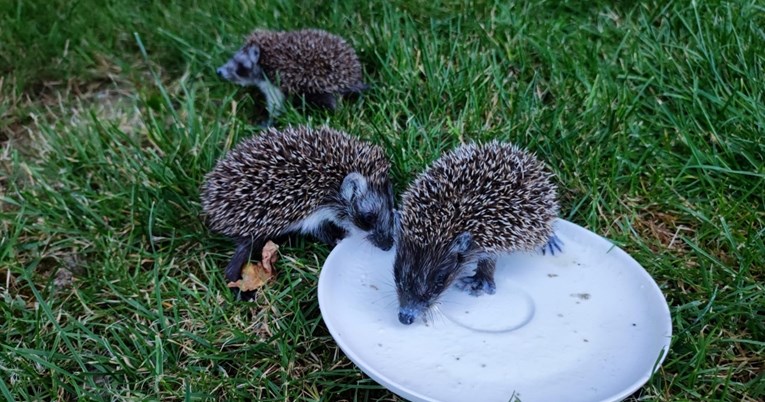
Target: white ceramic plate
{"x": 588, "y": 324}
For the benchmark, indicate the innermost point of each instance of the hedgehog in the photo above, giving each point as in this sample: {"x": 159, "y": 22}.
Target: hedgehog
{"x": 320, "y": 182}
{"x": 469, "y": 206}
{"x": 311, "y": 63}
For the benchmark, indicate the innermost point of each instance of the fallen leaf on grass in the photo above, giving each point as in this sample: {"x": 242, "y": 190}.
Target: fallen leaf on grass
{"x": 255, "y": 275}
{"x": 269, "y": 256}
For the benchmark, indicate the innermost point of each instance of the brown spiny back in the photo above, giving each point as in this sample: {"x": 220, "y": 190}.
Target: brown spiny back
{"x": 501, "y": 194}
{"x": 308, "y": 60}
{"x": 270, "y": 181}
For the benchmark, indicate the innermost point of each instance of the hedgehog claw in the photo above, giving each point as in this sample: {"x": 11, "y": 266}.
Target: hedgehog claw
{"x": 555, "y": 243}
{"x": 477, "y": 286}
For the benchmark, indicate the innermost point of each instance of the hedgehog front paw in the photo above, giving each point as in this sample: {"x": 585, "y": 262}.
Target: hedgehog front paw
{"x": 555, "y": 243}
{"x": 477, "y": 285}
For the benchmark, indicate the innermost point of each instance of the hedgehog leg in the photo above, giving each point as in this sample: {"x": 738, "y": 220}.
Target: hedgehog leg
{"x": 241, "y": 255}
{"x": 233, "y": 271}
{"x": 330, "y": 233}
{"x": 554, "y": 243}
{"x": 356, "y": 89}
{"x": 483, "y": 279}
{"x": 325, "y": 100}
{"x": 355, "y": 92}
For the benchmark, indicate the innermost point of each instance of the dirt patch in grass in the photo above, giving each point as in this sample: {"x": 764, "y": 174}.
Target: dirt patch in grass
{"x": 104, "y": 92}
{"x": 72, "y": 105}
{"x": 665, "y": 229}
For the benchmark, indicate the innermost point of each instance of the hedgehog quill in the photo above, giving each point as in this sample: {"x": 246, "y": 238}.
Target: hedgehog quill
{"x": 472, "y": 204}
{"x": 319, "y": 182}
{"x": 311, "y": 63}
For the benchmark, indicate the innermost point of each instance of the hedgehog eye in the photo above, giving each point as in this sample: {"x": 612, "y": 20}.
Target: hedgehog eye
{"x": 366, "y": 220}
{"x": 242, "y": 71}
{"x": 438, "y": 285}
{"x": 370, "y": 218}
{"x": 441, "y": 278}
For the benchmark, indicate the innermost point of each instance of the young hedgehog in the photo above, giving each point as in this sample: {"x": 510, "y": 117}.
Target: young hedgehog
{"x": 311, "y": 63}
{"x": 472, "y": 204}
{"x": 319, "y": 182}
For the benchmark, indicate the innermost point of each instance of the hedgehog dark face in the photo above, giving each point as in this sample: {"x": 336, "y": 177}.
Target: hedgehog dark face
{"x": 423, "y": 272}
{"x": 370, "y": 208}
{"x": 243, "y": 68}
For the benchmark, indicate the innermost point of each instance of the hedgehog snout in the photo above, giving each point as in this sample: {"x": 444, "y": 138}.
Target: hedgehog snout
{"x": 408, "y": 314}
{"x": 381, "y": 240}
{"x": 219, "y": 72}
{"x": 405, "y": 317}
{"x": 387, "y": 244}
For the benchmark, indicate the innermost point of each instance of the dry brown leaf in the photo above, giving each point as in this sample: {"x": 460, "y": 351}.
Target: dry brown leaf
{"x": 269, "y": 256}
{"x": 255, "y": 275}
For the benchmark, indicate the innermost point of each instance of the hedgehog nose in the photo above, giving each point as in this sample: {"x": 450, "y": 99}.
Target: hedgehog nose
{"x": 219, "y": 72}
{"x": 406, "y": 318}
{"x": 381, "y": 241}
{"x": 386, "y": 244}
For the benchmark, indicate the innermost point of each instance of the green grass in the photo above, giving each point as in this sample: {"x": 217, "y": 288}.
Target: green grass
{"x": 652, "y": 115}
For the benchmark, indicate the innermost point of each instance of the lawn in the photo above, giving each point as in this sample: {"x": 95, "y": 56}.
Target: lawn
{"x": 651, "y": 114}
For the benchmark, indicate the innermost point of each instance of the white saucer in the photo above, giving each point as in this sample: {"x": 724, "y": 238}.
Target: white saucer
{"x": 588, "y": 324}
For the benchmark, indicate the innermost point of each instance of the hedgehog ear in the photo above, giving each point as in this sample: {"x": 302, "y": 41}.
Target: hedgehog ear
{"x": 396, "y": 224}
{"x": 461, "y": 243}
{"x": 353, "y": 186}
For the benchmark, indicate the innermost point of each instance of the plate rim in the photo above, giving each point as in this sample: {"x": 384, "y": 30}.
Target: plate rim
{"x": 385, "y": 382}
